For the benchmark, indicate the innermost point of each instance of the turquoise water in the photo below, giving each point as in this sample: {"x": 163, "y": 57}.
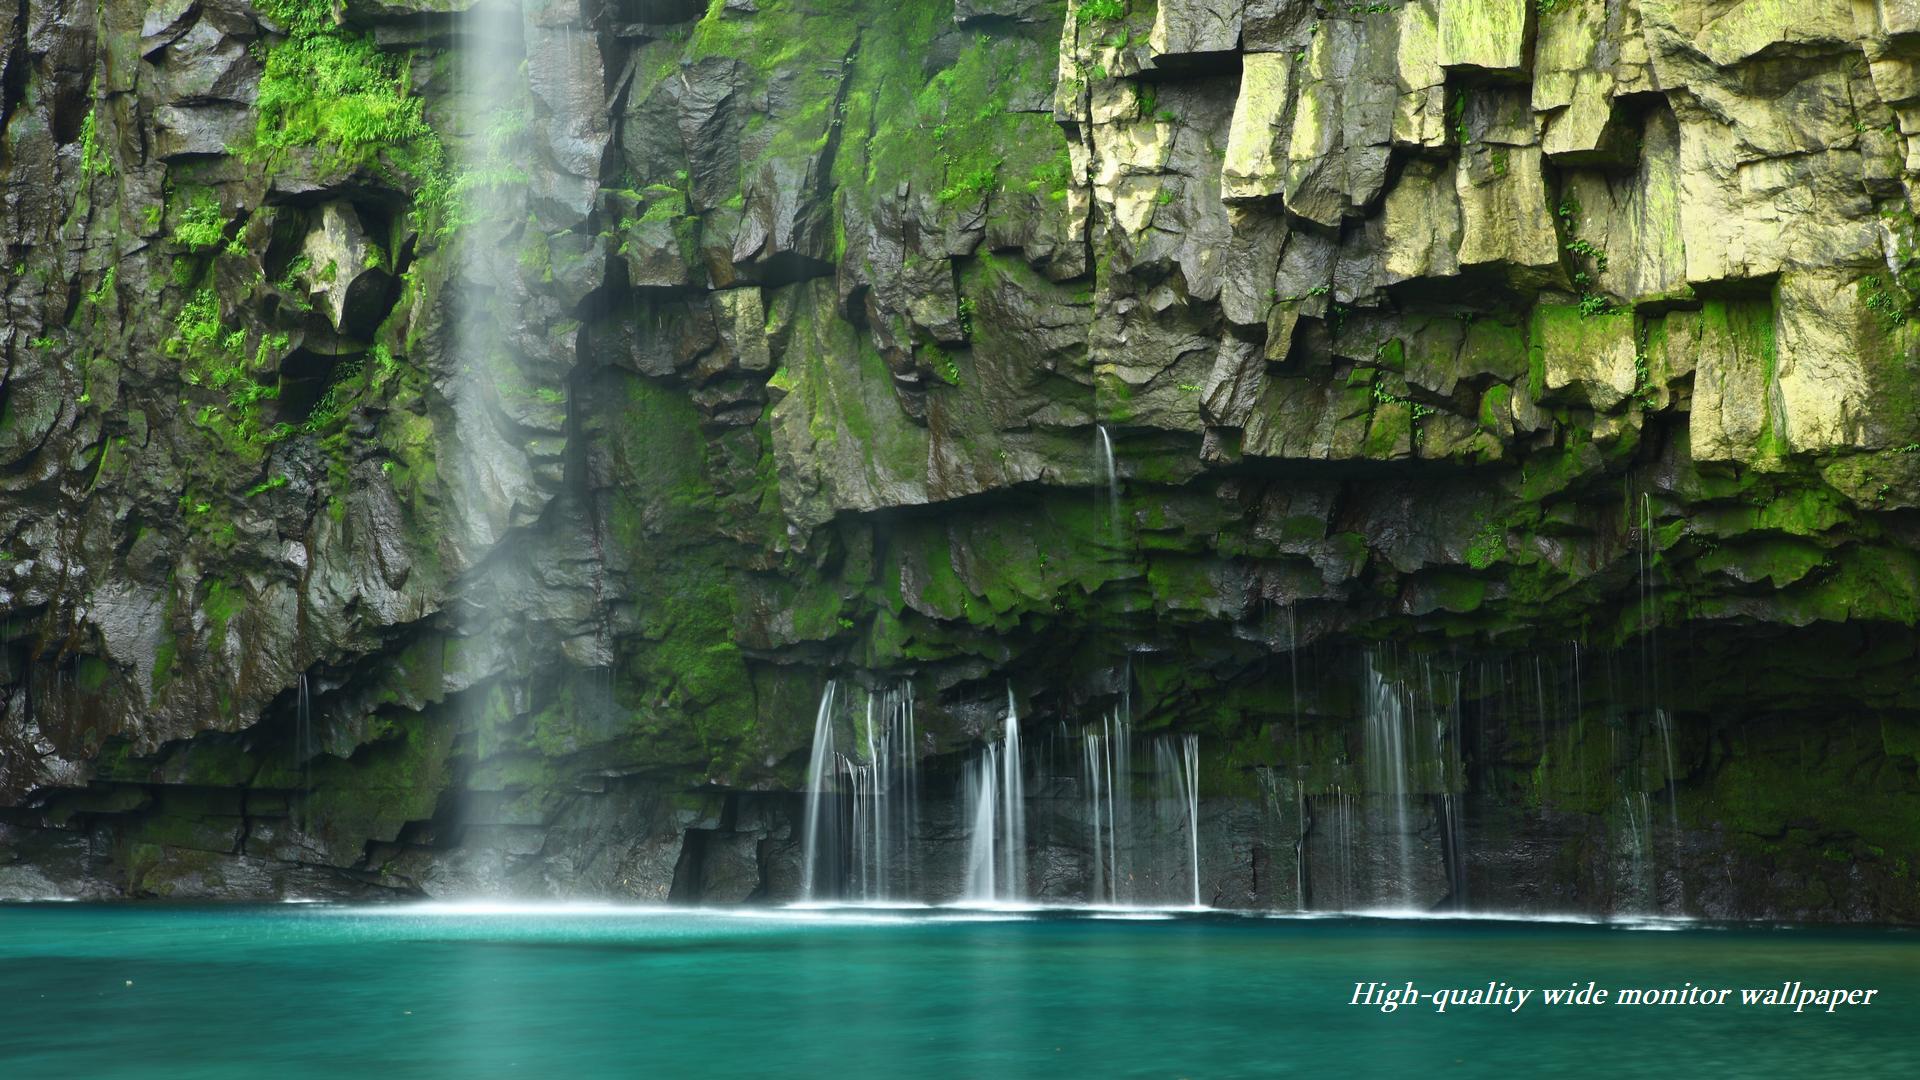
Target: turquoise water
{"x": 298, "y": 991}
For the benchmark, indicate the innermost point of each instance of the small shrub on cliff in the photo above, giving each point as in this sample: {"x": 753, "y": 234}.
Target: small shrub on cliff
{"x": 201, "y": 223}
{"x": 93, "y": 157}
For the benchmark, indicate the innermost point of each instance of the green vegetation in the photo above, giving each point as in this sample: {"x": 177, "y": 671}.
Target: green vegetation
{"x": 201, "y": 223}
{"x": 326, "y": 86}
{"x": 1591, "y": 303}
{"x": 1883, "y": 300}
{"x": 974, "y": 184}
{"x": 1487, "y": 547}
{"x": 330, "y": 88}
{"x": 94, "y": 161}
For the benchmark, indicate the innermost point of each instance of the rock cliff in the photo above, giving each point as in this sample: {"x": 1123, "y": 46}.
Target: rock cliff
{"x": 448, "y": 446}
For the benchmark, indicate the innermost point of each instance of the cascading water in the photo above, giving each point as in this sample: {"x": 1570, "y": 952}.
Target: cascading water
{"x": 996, "y": 810}
{"x": 862, "y": 806}
{"x": 1107, "y": 782}
{"x": 818, "y": 849}
{"x": 1386, "y": 744}
{"x": 1412, "y": 772}
{"x": 982, "y": 807}
{"x": 1013, "y": 807}
{"x": 861, "y": 837}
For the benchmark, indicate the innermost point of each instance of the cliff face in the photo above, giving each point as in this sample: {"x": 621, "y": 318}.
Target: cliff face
{"x": 448, "y": 448}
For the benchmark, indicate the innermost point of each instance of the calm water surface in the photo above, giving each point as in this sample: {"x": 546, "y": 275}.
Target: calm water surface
{"x": 313, "y": 991}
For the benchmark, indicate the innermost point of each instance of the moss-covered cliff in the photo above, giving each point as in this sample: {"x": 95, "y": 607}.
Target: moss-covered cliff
{"x": 448, "y": 446}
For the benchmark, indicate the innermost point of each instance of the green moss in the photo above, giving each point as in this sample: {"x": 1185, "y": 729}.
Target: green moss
{"x": 1781, "y": 561}
{"x": 948, "y": 131}
{"x": 91, "y": 674}
{"x": 222, "y": 603}
{"x": 688, "y": 664}
{"x": 394, "y": 779}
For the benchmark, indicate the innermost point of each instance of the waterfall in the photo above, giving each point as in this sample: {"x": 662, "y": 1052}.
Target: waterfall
{"x": 996, "y": 810}
{"x": 1190, "y": 775}
{"x": 1107, "y": 784}
{"x": 1013, "y": 855}
{"x": 1097, "y": 790}
{"x": 822, "y": 792}
{"x": 1386, "y": 747}
{"x": 891, "y": 797}
{"x": 982, "y": 805}
{"x": 1412, "y": 771}
{"x": 862, "y": 806}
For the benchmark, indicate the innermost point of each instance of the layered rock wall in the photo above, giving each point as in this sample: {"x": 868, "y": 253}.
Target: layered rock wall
{"x": 449, "y": 446}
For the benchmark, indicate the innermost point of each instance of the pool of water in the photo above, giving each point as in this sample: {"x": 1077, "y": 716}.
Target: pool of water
{"x": 404, "y": 991}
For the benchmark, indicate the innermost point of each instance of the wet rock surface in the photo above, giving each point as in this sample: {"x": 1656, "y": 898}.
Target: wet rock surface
{"x": 411, "y": 485}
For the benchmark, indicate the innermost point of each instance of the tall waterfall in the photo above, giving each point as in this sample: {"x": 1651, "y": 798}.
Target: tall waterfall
{"x": 863, "y": 801}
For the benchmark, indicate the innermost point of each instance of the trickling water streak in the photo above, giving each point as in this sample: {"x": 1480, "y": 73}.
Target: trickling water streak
{"x": 1177, "y": 769}
{"x": 303, "y": 737}
{"x": 1120, "y": 786}
{"x": 1341, "y": 807}
{"x": 1664, "y": 724}
{"x": 1105, "y": 472}
{"x": 1639, "y": 842}
{"x": 1097, "y": 753}
{"x": 1299, "y": 764}
{"x": 1453, "y": 851}
{"x": 909, "y": 807}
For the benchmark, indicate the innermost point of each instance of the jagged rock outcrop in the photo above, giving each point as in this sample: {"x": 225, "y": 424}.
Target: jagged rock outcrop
{"x": 447, "y": 446}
